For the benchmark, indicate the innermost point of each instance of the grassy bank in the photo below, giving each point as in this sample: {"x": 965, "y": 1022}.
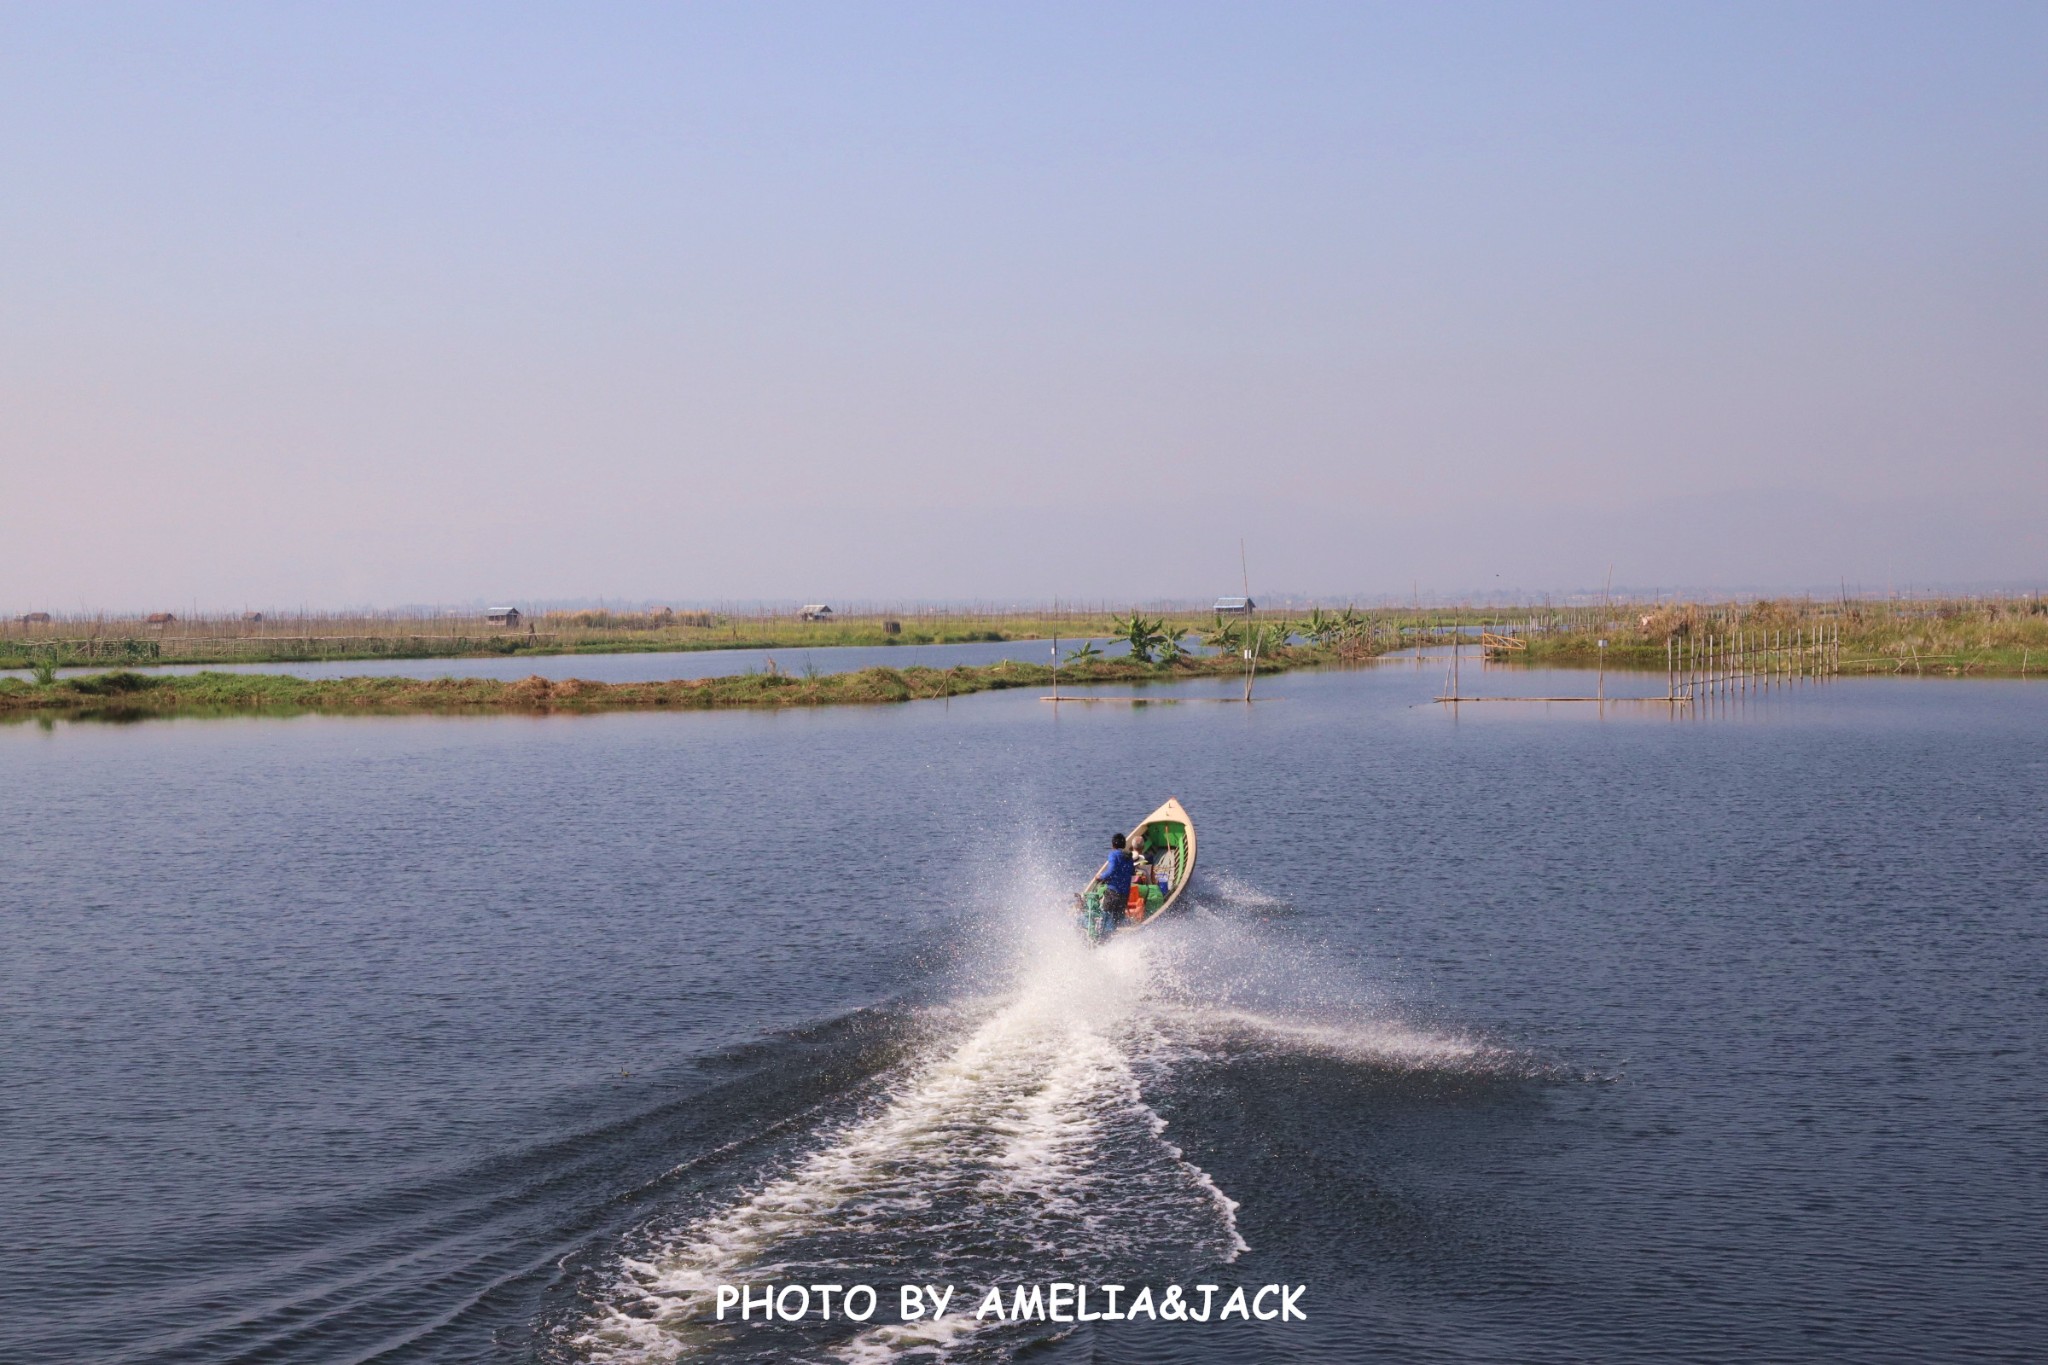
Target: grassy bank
{"x": 130, "y": 694}
{"x": 88, "y": 642}
{"x": 1958, "y": 637}
{"x": 1963, "y": 635}
{"x": 127, "y": 643}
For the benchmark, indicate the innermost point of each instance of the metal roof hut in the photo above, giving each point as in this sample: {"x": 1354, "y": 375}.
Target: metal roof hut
{"x": 815, "y": 611}
{"x": 503, "y": 616}
{"x": 1235, "y": 606}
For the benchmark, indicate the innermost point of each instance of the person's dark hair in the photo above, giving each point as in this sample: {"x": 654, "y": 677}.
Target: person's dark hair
{"x": 1116, "y": 841}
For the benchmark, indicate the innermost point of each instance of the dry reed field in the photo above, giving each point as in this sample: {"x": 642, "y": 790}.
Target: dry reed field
{"x": 1956, "y": 636}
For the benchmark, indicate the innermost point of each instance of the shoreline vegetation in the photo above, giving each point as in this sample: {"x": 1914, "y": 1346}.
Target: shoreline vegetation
{"x": 132, "y": 695}
{"x": 1970, "y": 634}
{"x": 1949, "y": 637}
{"x": 1978, "y": 637}
{"x": 85, "y": 641}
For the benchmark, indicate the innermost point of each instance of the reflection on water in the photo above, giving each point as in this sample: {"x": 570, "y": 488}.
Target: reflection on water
{"x": 646, "y": 667}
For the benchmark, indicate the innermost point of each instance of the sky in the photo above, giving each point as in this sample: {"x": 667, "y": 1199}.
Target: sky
{"x": 366, "y": 304}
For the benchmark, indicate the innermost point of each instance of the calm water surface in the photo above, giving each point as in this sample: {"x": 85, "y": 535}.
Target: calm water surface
{"x": 654, "y": 667}
{"x": 1535, "y": 1034}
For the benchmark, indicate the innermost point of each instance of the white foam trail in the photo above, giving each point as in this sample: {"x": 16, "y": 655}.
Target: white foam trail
{"x": 1220, "y": 984}
{"x": 1023, "y": 1144}
{"x": 1378, "y": 1041}
{"x": 1238, "y": 893}
{"x": 1030, "y": 1133}
{"x": 894, "y": 1341}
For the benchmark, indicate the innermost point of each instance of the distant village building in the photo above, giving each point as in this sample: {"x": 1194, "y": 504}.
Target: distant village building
{"x": 502, "y": 616}
{"x": 158, "y": 618}
{"x": 252, "y": 616}
{"x": 36, "y": 618}
{"x": 816, "y": 611}
{"x": 1235, "y": 606}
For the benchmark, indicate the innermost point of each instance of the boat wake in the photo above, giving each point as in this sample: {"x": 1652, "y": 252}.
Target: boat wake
{"x": 1016, "y": 1147}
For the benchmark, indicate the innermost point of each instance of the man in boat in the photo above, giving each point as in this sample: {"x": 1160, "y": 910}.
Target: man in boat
{"x": 1115, "y": 881}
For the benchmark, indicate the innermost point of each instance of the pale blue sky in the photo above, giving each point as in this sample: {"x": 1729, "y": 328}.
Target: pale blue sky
{"x": 359, "y": 304}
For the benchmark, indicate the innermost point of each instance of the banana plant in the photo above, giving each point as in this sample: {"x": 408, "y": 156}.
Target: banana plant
{"x": 1082, "y": 655}
{"x": 1226, "y": 636}
{"x": 1144, "y": 636}
{"x": 1128, "y": 628}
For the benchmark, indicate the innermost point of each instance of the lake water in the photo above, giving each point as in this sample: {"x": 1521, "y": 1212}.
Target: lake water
{"x": 653, "y": 667}
{"x": 1523, "y": 1033}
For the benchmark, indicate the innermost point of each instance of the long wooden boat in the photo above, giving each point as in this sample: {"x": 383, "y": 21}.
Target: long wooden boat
{"x": 1164, "y": 845}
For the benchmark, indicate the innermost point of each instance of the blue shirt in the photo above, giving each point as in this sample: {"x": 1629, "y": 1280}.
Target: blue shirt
{"x": 1119, "y": 873}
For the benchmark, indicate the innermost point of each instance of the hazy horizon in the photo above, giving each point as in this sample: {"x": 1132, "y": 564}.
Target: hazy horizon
{"x": 1425, "y": 596}
{"x": 527, "y": 303}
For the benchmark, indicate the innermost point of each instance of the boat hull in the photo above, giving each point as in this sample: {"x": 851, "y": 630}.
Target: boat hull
{"x": 1166, "y": 839}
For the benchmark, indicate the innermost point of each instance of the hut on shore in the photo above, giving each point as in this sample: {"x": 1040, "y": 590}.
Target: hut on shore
{"x": 35, "y": 618}
{"x": 815, "y": 611}
{"x": 502, "y": 616}
{"x": 1235, "y": 606}
{"x": 159, "y": 619}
